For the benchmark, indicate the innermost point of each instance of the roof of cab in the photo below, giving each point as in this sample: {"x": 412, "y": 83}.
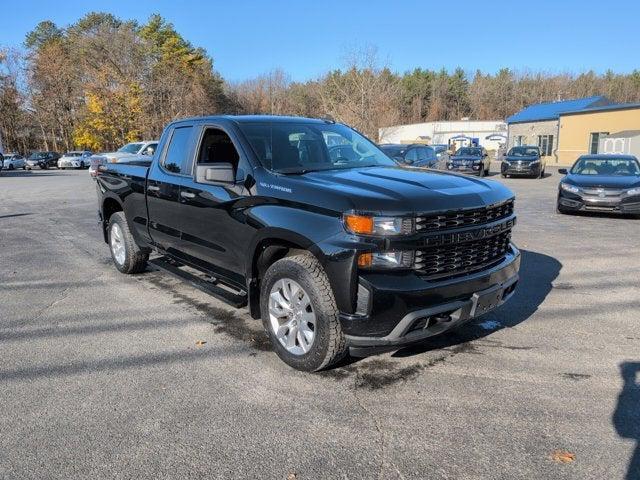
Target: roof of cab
{"x": 257, "y": 119}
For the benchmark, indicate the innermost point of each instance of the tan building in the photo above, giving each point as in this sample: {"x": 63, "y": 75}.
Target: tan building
{"x": 580, "y": 131}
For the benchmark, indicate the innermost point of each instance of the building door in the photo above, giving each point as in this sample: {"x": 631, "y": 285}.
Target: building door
{"x": 594, "y": 141}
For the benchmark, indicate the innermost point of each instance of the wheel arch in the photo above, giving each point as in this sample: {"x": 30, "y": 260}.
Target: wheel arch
{"x": 268, "y": 248}
{"x": 109, "y": 206}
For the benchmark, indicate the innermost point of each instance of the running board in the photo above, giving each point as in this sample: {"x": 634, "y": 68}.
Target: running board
{"x": 237, "y": 300}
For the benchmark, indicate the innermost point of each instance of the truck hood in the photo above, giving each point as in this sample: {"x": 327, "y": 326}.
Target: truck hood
{"x": 521, "y": 158}
{"x": 386, "y": 190}
{"x": 603, "y": 181}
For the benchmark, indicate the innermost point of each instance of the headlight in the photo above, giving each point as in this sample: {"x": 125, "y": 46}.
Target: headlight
{"x": 633, "y": 191}
{"x": 383, "y": 226}
{"x": 476, "y": 162}
{"x": 569, "y": 188}
{"x": 399, "y": 259}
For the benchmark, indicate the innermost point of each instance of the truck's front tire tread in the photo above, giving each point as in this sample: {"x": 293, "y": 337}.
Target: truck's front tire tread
{"x": 297, "y": 267}
{"x": 136, "y": 258}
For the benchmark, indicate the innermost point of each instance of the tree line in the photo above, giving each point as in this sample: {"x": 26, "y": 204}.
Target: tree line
{"x": 103, "y": 81}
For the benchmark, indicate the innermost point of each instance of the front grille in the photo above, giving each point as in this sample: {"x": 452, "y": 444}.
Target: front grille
{"x": 453, "y": 219}
{"x": 601, "y": 192}
{"x": 458, "y": 259}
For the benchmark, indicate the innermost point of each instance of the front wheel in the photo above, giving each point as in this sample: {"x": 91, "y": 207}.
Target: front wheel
{"x": 300, "y": 315}
{"x": 127, "y": 256}
{"x": 481, "y": 172}
{"x": 81, "y": 165}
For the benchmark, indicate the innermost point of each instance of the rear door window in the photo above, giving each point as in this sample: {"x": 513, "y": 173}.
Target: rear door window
{"x": 176, "y": 159}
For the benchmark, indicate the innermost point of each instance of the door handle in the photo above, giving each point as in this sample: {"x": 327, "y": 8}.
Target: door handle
{"x": 153, "y": 188}
{"x": 187, "y": 195}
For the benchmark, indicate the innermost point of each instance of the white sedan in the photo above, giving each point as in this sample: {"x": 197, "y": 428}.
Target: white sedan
{"x": 13, "y": 161}
{"x": 75, "y": 159}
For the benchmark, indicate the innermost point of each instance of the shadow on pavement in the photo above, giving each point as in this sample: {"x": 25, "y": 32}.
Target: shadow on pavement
{"x": 29, "y": 173}
{"x": 537, "y": 273}
{"x": 626, "y": 418}
{"x": 15, "y": 215}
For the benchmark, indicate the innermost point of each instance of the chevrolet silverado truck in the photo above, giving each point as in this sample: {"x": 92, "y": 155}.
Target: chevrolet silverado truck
{"x": 336, "y": 247}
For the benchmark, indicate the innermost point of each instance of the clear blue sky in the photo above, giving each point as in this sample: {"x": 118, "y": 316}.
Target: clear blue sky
{"x": 306, "y": 38}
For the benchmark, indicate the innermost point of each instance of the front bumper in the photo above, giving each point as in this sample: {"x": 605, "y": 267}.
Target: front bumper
{"x": 625, "y": 205}
{"x": 405, "y": 308}
{"x": 463, "y": 168}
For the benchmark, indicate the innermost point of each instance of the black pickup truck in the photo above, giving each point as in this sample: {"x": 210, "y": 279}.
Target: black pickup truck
{"x": 308, "y": 223}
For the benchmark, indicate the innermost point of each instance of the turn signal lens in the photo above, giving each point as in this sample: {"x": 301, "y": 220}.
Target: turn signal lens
{"x": 359, "y": 224}
{"x": 365, "y": 260}
{"x": 381, "y": 226}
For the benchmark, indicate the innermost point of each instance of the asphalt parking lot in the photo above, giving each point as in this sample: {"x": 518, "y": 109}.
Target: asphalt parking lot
{"x": 101, "y": 375}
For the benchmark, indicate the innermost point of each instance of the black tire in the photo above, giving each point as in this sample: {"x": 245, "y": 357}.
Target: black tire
{"x": 81, "y": 165}
{"x": 135, "y": 258}
{"x": 329, "y": 345}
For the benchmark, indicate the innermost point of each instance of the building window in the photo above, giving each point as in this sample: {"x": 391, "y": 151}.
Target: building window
{"x": 545, "y": 143}
{"x": 519, "y": 140}
{"x": 593, "y": 142}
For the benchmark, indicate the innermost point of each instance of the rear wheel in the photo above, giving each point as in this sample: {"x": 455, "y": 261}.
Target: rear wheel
{"x": 127, "y": 256}
{"x": 300, "y": 315}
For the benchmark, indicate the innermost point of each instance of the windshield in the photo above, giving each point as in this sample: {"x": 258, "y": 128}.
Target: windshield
{"x": 131, "y": 148}
{"x": 474, "y": 152}
{"x": 37, "y": 155}
{"x": 73, "y": 154}
{"x": 303, "y": 147}
{"x": 523, "y": 152}
{"x": 609, "y": 166}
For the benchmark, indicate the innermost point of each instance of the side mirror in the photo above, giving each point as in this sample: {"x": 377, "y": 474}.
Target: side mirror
{"x": 563, "y": 171}
{"x": 215, "y": 173}
{"x": 149, "y": 151}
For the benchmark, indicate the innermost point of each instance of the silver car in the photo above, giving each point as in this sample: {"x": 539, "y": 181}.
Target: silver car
{"x": 123, "y": 154}
{"x": 75, "y": 159}
{"x": 13, "y": 161}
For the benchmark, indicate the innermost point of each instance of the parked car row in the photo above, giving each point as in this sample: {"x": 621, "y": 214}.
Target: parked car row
{"x": 78, "y": 159}
{"x": 596, "y": 183}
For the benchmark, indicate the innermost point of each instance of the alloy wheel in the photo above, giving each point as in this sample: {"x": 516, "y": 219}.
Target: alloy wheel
{"x": 116, "y": 240}
{"x": 291, "y": 316}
